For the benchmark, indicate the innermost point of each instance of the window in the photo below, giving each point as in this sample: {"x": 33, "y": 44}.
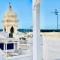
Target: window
{"x": 10, "y": 46}
{"x": 2, "y": 46}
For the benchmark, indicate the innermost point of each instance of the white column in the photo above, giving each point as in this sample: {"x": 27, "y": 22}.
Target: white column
{"x": 36, "y": 30}
{"x": 6, "y": 48}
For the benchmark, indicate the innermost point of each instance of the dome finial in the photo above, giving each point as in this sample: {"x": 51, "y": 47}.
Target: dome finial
{"x": 10, "y": 7}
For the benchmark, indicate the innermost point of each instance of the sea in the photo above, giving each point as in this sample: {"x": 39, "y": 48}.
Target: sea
{"x": 41, "y": 30}
{"x": 21, "y": 30}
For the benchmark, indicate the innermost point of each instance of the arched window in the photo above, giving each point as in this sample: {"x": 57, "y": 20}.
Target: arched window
{"x": 12, "y": 30}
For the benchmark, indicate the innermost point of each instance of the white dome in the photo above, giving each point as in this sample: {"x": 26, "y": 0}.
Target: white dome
{"x": 10, "y": 12}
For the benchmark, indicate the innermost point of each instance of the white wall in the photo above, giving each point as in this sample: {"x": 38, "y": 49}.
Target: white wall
{"x": 51, "y": 46}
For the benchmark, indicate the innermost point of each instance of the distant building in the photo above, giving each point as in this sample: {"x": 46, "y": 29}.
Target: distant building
{"x": 10, "y": 20}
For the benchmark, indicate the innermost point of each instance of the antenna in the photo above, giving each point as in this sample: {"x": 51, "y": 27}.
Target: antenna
{"x": 56, "y": 13}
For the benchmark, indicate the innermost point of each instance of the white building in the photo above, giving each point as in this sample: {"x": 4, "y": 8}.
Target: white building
{"x": 9, "y": 44}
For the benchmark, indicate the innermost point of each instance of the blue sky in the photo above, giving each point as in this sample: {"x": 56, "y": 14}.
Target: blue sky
{"x": 23, "y": 9}
{"x": 48, "y": 19}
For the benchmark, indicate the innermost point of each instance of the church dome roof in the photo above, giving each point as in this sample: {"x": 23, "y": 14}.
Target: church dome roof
{"x": 10, "y": 12}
